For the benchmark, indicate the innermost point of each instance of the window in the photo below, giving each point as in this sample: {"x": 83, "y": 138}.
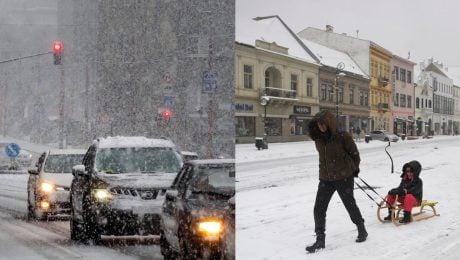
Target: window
{"x": 350, "y": 98}
{"x": 245, "y": 126}
{"x": 363, "y": 98}
{"x": 409, "y": 101}
{"x": 402, "y": 100}
{"x": 323, "y": 91}
{"x": 274, "y": 126}
{"x": 248, "y": 76}
{"x": 366, "y": 99}
{"x": 330, "y": 93}
{"x": 396, "y": 72}
{"x": 409, "y": 76}
{"x": 396, "y": 101}
{"x": 417, "y": 103}
{"x": 309, "y": 87}
{"x": 340, "y": 90}
{"x": 267, "y": 78}
{"x": 402, "y": 75}
{"x": 294, "y": 82}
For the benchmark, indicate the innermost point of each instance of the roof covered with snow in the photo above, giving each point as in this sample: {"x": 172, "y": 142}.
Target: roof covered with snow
{"x": 330, "y": 57}
{"x": 67, "y": 151}
{"x": 132, "y": 141}
{"x": 270, "y": 30}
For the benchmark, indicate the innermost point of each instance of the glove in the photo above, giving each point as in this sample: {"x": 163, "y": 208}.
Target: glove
{"x": 355, "y": 174}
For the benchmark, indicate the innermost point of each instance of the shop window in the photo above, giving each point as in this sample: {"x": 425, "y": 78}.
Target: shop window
{"x": 245, "y": 126}
{"x": 274, "y": 126}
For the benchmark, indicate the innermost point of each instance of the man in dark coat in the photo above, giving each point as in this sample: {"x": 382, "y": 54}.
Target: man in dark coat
{"x": 409, "y": 191}
{"x": 338, "y": 165}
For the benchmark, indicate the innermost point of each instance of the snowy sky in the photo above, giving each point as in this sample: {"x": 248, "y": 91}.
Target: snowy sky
{"x": 426, "y": 28}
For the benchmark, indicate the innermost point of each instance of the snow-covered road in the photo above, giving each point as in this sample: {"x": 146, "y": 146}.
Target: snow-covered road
{"x": 20, "y": 239}
{"x": 276, "y": 189}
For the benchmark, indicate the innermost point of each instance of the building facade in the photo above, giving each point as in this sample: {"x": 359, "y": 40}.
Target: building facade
{"x": 402, "y": 107}
{"x": 424, "y": 104}
{"x": 443, "y": 97}
{"x": 275, "y": 66}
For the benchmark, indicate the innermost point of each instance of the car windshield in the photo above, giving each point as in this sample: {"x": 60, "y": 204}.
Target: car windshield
{"x": 62, "y": 163}
{"x": 133, "y": 160}
{"x": 214, "y": 178}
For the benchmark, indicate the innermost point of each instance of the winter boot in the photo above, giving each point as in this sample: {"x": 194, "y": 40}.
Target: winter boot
{"x": 320, "y": 243}
{"x": 406, "y": 218}
{"x": 388, "y": 218}
{"x": 362, "y": 233}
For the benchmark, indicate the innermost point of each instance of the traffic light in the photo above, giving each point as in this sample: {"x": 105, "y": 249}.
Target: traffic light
{"x": 57, "y": 52}
{"x": 166, "y": 114}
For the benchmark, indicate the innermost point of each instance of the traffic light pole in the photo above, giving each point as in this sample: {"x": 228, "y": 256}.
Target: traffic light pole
{"x": 62, "y": 134}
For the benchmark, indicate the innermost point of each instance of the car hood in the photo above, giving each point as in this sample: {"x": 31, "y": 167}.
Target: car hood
{"x": 58, "y": 179}
{"x": 138, "y": 180}
{"x": 202, "y": 207}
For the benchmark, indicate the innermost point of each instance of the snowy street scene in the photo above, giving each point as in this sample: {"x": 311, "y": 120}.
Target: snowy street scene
{"x": 276, "y": 190}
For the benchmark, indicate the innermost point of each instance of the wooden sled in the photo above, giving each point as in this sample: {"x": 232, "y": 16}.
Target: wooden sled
{"x": 426, "y": 210}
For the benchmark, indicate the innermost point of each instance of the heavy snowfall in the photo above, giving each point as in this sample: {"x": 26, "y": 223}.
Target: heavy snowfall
{"x": 276, "y": 190}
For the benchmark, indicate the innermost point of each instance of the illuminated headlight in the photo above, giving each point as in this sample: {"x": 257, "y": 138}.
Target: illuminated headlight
{"x": 47, "y": 187}
{"x": 102, "y": 194}
{"x": 210, "y": 229}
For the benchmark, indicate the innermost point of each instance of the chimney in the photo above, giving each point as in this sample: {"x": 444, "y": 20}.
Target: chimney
{"x": 329, "y": 28}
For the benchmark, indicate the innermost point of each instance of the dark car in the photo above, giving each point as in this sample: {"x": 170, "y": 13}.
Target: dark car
{"x": 195, "y": 216}
{"x": 228, "y": 242}
{"x": 121, "y": 186}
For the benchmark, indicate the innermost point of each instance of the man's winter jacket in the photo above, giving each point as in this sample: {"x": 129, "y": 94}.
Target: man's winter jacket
{"x": 338, "y": 154}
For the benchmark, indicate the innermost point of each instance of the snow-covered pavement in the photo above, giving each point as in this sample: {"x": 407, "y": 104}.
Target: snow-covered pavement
{"x": 276, "y": 189}
{"x": 20, "y": 239}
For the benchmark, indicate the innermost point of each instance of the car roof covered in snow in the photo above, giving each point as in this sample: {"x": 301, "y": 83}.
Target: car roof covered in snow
{"x": 131, "y": 141}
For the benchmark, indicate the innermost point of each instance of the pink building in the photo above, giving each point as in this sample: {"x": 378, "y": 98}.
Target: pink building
{"x": 403, "y": 105}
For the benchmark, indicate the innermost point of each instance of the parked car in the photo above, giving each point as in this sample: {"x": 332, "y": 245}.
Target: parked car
{"x": 381, "y": 135}
{"x": 194, "y": 219}
{"x": 49, "y": 183}
{"x": 120, "y": 187}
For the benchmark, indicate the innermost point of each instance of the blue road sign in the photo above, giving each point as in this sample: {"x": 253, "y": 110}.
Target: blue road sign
{"x": 168, "y": 101}
{"x": 209, "y": 81}
{"x": 12, "y": 150}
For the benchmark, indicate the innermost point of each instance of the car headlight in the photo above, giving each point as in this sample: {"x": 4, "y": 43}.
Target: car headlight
{"x": 47, "y": 187}
{"x": 210, "y": 229}
{"x": 102, "y": 194}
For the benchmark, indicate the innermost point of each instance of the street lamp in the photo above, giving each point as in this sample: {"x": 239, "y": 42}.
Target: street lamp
{"x": 338, "y": 74}
{"x": 264, "y": 100}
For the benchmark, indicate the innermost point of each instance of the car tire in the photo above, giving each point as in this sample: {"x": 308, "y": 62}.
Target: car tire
{"x": 92, "y": 230}
{"x": 30, "y": 208}
{"x": 165, "y": 248}
{"x": 77, "y": 231}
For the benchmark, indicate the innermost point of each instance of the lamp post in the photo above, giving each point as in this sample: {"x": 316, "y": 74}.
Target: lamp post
{"x": 338, "y": 74}
{"x": 264, "y": 100}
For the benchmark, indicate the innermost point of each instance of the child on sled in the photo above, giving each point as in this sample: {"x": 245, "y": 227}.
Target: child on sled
{"x": 409, "y": 191}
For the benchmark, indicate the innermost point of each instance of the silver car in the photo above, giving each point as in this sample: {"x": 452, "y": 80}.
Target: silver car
{"x": 383, "y": 135}
{"x": 49, "y": 183}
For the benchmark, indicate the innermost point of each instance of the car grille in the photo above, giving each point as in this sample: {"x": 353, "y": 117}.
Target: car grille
{"x": 145, "y": 194}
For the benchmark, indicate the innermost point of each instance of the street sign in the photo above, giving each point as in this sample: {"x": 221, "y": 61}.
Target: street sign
{"x": 209, "y": 81}
{"x": 12, "y": 150}
{"x": 168, "y": 101}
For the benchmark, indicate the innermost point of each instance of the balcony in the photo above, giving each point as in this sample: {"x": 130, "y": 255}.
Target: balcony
{"x": 383, "y": 81}
{"x": 279, "y": 93}
{"x": 383, "y": 107}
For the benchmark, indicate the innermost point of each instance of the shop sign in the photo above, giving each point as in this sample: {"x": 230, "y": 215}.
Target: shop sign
{"x": 302, "y": 110}
{"x": 244, "y": 107}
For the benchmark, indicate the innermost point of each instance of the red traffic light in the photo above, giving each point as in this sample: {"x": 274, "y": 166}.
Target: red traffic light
{"x": 57, "y": 47}
{"x": 166, "y": 114}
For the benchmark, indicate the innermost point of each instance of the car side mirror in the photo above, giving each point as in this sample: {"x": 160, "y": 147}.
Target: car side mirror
{"x": 79, "y": 170}
{"x": 171, "y": 195}
{"x": 33, "y": 170}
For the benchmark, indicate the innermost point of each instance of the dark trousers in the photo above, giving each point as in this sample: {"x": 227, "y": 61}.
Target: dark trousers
{"x": 323, "y": 196}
